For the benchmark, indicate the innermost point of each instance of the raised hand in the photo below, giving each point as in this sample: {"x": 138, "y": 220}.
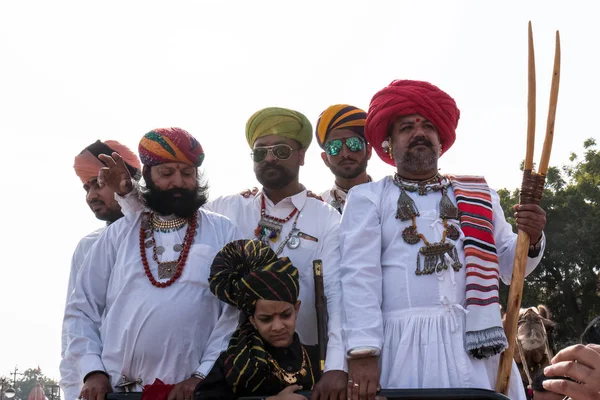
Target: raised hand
{"x": 115, "y": 175}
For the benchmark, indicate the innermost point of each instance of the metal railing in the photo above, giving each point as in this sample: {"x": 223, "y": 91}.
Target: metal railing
{"x": 390, "y": 394}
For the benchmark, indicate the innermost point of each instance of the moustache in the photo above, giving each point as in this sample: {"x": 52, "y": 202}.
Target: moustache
{"x": 420, "y": 141}
{"x": 96, "y": 203}
{"x": 273, "y": 166}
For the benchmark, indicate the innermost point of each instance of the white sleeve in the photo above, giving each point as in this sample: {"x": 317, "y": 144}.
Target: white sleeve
{"x": 70, "y": 382}
{"x": 219, "y": 338}
{"x": 506, "y": 243}
{"x": 83, "y": 314}
{"x": 130, "y": 203}
{"x": 361, "y": 277}
{"x": 330, "y": 255}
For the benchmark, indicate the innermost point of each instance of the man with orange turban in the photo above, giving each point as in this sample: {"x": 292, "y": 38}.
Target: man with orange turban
{"x": 421, "y": 256}
{"x": 340, "y": 133}
{"x": 102, "y": 202}
{"x": 142, "y": 309}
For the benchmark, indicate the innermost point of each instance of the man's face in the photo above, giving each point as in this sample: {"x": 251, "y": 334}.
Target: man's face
{"x": 173, "y": 188}
{"x": 102, "y": 201}
{"x": 415, "y": 144}
{"x": 347, "y": 164}
{"x": 276, "y": 171}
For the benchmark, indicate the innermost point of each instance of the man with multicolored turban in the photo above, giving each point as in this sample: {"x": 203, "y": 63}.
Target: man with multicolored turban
{"x": 265, "y": 356}
{"x": 424, "y": 286}
{"x": 102, "y": 202}
{"x": 340, "y": 133}
{"x": 142, "y": 308}
{"x": 295, "y": 224}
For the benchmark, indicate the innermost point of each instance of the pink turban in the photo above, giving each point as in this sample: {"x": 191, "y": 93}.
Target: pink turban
{"x": 87, "y": 164}
{"x": 405, "y": 97}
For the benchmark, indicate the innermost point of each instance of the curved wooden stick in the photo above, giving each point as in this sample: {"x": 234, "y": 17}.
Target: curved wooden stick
{"x": 523, "y": 241}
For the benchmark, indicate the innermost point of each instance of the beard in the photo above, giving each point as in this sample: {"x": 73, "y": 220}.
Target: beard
{"x": 274, "y": 176}
{"x": 180, "y": 202}
{"x": 109, "y": 215}
{"x": 418, "y": 161}
{"x": 349, "y": 171}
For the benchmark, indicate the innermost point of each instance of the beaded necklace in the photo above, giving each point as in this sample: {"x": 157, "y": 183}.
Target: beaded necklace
{"x": 269, "y": 227}
{"x": 436, "y": 255}
{"x": 168, "y": 269}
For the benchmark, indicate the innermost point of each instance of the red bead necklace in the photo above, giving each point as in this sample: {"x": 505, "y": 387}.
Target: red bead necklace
{"x": 263, "y": 213}
{"x": 187, "y": 243}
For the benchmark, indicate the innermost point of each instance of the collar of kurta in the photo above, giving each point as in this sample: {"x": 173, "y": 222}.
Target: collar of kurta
{"x": 291, "y": 354}
{"x": 298, "y": 200}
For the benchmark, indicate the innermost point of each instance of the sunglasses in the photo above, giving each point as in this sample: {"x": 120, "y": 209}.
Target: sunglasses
{"x": 279, "y": 151}
{"x": 334, "y": 147}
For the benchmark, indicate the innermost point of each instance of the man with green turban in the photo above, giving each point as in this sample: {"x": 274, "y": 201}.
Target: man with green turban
{"x": 294, "y": 224}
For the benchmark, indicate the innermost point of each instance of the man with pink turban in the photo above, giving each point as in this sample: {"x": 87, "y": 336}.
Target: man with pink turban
{"x": 142, "y": 312}
{"x": 102, "y": 202}
{"x": 421, "y": 294}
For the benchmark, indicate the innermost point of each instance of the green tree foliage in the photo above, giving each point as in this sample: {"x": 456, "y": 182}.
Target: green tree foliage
{"x": 27, "y": 380}
{"x": 567, "y": 279}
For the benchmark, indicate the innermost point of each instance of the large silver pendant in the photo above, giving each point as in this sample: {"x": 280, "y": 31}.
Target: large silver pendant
{"x": 434, "y": 255}
{"x": 294, "y": 240}
{"x": 166, "y": 270}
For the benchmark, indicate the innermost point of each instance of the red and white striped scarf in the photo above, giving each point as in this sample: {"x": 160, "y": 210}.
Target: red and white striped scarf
{"x": 484, "y": 334}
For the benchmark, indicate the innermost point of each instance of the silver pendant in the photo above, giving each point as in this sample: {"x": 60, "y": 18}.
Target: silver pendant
{"x": 160, "y": 249}
{"x": 177, "y": 247}
{"x": 149, "y": 243}
{"x": 294, "y": 241}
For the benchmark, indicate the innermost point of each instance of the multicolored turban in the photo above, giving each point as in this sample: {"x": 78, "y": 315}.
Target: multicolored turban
{"x": 167, "y": 145}
{"x": 405, "y": 97}
{"x": 245, "y": 271}
{"x": 281, "y": 122}
{"x": 87, "y": 164}
{"x": 242, "y": 273}
{"x": 340, "y": 116}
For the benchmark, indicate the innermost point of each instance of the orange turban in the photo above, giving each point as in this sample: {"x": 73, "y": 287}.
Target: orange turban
{"x": 87, "y": 164}
{"x": 340, "y": 116}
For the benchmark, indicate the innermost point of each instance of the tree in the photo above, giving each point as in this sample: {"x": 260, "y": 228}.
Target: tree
{"x": 567, "y": 279}
{"x": 27, "y": 381}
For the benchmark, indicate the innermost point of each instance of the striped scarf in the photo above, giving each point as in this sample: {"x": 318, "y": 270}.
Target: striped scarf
{"x": 484, "y": 334}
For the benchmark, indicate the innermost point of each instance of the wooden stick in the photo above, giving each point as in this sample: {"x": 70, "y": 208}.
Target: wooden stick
{"x": 515, "y": 293}
{"x": 531, "y": 95}
{"x": 551, "y": 110}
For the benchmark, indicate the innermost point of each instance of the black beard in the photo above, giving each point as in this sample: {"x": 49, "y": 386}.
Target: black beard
{"x": 354, "y": 173}
{"x": 279, "y": 182}
{"x": 417, "y": 162}
{"x": 165, "y": 202}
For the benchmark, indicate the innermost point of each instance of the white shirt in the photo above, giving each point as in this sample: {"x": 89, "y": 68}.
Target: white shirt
{"x": 316, "y": 219}
{"x": 329, "y": 197}
{"x": 70, "y": 381}
{"x": 417, "y": 321}
{"x": 145, "y": 332}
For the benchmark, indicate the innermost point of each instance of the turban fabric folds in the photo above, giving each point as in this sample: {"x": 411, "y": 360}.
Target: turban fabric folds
{"x": 340, "y": 116}
{"x": 168, "y": 145}
{"x": 281, "y": 122}
{"x": 242, "y": 273}
{"x": 87, "y": 164}
{"x": 406, "y": 97}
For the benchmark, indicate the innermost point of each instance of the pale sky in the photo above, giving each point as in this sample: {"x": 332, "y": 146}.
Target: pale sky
{"x": 73, "y": 72}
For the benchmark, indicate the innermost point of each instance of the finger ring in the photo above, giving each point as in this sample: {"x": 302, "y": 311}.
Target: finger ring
{"x": 356, "y": 385}
{"x": 350, "y": 381}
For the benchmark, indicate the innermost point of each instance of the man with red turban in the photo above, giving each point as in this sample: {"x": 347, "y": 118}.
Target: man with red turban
{"x": 142, "y": 309}
{"x": 421, "y": 293}
{"x": 102, "y": 202}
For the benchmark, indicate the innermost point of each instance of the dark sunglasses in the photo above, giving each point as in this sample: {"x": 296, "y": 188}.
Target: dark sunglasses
{"x": 279, "y": 151}
{"x": 354, "y": 144}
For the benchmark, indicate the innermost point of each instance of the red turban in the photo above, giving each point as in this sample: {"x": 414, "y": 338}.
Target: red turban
{"x": 87, "y": 164}
{"x": 167, "y": 145}
{"x": 405, "y": 97}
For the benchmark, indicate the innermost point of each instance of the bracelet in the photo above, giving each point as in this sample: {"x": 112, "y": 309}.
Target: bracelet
{"x": 198, "y": 375}
{"x": 363, "y": 352}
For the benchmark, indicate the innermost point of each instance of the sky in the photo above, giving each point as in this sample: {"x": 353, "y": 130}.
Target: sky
{"x": 73, "y": 72}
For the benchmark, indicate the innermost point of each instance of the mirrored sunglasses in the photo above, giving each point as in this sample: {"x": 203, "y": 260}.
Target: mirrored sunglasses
{"x": 279, "y": 151}
{"x": 334, "y": 147}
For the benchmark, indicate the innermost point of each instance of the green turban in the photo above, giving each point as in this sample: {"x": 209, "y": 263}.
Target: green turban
{"x": 281, "y": 122}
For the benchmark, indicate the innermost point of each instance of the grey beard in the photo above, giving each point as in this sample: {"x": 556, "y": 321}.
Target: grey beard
{"x": 416, "y": 162}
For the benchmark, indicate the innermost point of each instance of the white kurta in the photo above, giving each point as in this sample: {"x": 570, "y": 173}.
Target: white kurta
{"x": 418, "y": 322}
{"x": 145, "y": 332}
{"x": 70, "y": 381}
{"x": 316, "y": 219}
